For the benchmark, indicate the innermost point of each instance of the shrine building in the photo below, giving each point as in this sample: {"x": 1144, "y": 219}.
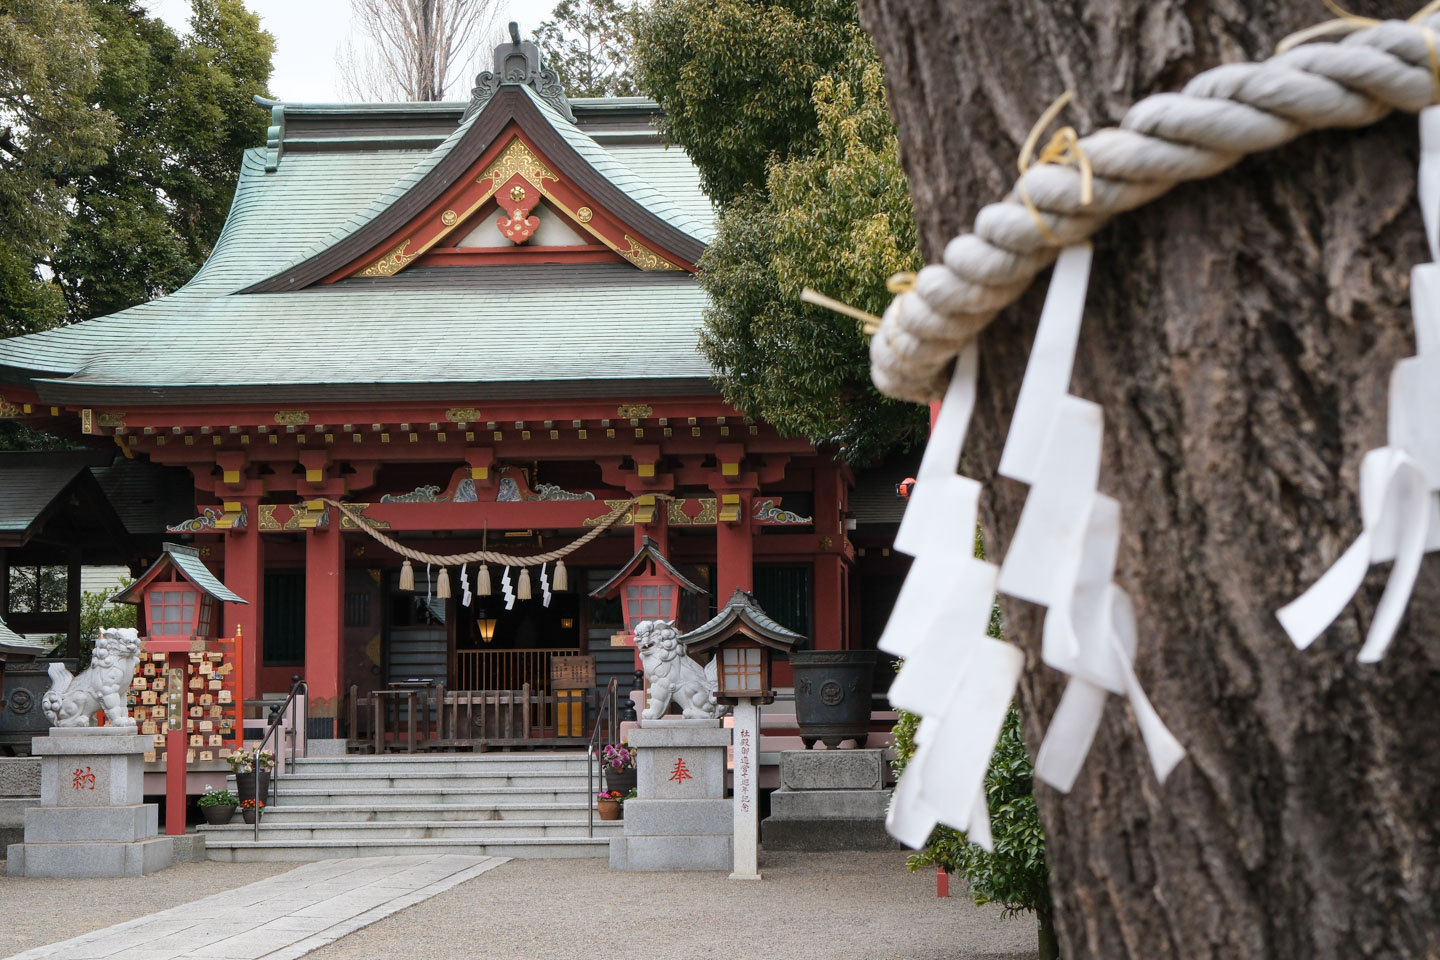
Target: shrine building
{"x": 475, "y": 324}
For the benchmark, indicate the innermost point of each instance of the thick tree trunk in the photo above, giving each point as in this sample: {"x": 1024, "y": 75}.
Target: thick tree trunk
{"x": 1240, "y": 334}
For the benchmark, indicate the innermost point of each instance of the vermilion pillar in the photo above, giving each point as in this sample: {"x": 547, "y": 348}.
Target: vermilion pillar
{"x": 829, "y": 602}
{"x": 324, "y": 617}
{"x": 245, "y": 575}
{"x": 734, "y": 553}
{"x": 831, "y": 595}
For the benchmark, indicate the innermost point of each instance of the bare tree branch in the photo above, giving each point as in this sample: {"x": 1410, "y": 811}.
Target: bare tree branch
{"x": 416, "y": 50}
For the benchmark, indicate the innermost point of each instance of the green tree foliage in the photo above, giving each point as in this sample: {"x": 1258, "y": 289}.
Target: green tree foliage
{"x": 38, "y": 589}
{"x": 588, "y": 43}
{"x": 120, "y": 148}
{"x": 735, "y": 79}
{"x": 145, "y": 219}
{"x": 50, "y": 67}
{"x": 98, "y": 613}
{"x": 838, "y": 218}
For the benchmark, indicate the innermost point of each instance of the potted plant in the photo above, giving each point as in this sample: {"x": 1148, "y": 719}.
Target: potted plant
{"x": 250, "y": 809}
{"x": 610, "y": 803}
{"x": 244, "y": 763}
{"x": 618, "y": 762}
{"x": 218, "y": 806}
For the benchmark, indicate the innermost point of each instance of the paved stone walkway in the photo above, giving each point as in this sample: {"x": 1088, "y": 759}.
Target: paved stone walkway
{"x": 282, "y": 918}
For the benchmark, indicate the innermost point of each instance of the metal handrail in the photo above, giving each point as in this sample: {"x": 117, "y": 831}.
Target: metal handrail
{"x": 277, "y": 712}
{"x": 607, "y": 705}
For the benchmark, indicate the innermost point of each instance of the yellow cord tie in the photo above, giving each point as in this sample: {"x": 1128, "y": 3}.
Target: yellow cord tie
{"x": 902, "y": 282}
{"x": 1063, "y": 149}
{"x": 1346, "y": 22}
{"x": 869, "y": 323}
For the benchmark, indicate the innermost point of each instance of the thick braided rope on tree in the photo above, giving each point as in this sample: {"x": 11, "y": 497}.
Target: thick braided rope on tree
{"x": 1167, "y": 138}
{"x": 490, "y": 556}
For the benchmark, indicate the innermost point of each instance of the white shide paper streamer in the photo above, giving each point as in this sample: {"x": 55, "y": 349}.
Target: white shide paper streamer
{"x": 1400, "y": 482}
{"x": 465, "y": 594}
{"x": 507, "y": 590}
{"x": 1065, "y": 546}
{"x": 957, "y": 679}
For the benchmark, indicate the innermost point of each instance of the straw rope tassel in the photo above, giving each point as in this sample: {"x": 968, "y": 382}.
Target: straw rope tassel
{"x": 522, "y": 589}
{"x": 407, "y": 576}
{"x": 562, "y": 576}
{"x": 482, "y": 581}
{"x": 442, "y": 585}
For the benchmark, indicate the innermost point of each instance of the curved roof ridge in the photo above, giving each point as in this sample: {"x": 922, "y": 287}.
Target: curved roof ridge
{"x": 618, "y": 173}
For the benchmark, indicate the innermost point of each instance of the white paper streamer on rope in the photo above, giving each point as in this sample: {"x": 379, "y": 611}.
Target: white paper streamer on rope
{"x": 956, "y": 678}
{"x": 939, "y": 520}
{"x": 1091, "y": 635}
{"x": 429, "y": 584}
{"x": 1400, "y": 482}
{"x": 465, "y": 595}
{"x": 1047, "y": 374}
{"x": 1065, "y": 545}
{"x": 544, "y": 587}
{"x": 506, "y": 590}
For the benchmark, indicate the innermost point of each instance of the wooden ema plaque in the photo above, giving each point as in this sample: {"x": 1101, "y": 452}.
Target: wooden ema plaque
{"x": 211, "y": 705}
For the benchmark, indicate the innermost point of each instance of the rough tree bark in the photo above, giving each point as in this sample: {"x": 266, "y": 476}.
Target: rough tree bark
{"x": 1240, "y": 334}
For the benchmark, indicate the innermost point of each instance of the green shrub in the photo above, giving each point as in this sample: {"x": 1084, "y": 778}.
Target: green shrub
{"x": 1015, "y": 875}
{"x": 96, "y": 614}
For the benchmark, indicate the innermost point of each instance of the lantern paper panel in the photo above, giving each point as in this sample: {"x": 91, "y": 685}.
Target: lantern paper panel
{"x": 742, "y": 671}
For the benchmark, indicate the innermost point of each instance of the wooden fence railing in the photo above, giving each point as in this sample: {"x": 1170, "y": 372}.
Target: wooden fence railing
{"x": 432, "y": 718}
{"x": 505, "y": 669}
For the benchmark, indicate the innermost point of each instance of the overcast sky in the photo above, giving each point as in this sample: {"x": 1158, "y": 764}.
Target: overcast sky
{"x": 308, "y": 32}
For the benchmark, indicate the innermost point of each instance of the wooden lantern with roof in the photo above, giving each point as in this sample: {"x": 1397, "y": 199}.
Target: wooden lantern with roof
{"x": 649, "y": 587}
{"x": 181, "y": 600}
{"x": 744, "y": 638}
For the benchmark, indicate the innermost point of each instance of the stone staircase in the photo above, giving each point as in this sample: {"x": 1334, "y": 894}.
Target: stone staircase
{"x": 504, "y": 804}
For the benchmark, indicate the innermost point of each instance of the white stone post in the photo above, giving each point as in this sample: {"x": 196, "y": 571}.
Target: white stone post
{"x": 747, "y": 798}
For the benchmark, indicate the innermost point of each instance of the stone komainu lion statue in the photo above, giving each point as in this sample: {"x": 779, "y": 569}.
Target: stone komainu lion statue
{"x": 673, "y": 675}
{"x": 73, "y": 701}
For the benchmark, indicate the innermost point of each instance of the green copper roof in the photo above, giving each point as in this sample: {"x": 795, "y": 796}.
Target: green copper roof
{"x": 476, "y": 332}
{"x": 188, "y": 560}
{"x": 649, "y": 550}
{"x": 504, "y": 326}
{"x": 741, "y": 608}
{"x": 29, "y": 489}
{"x": 18, "y": 648}
{"x": 676, "y": 214}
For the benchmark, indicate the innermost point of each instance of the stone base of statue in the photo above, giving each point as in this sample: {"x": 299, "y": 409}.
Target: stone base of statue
{"x": 829, "y": 800}
{"x": 19, "y": 788}
{"x": 92, "y": 821}
{"x": 680, "y": 819}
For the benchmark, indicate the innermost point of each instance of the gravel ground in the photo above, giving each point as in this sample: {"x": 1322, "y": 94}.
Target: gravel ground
{"x": 35, "y": 912}
{"x": 825, "y": 906}
{"x": 834, "y": 906}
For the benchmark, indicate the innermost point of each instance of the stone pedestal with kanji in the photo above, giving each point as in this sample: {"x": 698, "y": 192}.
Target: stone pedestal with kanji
{"x": 92, "y": 821}
{"x": 680, "y": 819}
